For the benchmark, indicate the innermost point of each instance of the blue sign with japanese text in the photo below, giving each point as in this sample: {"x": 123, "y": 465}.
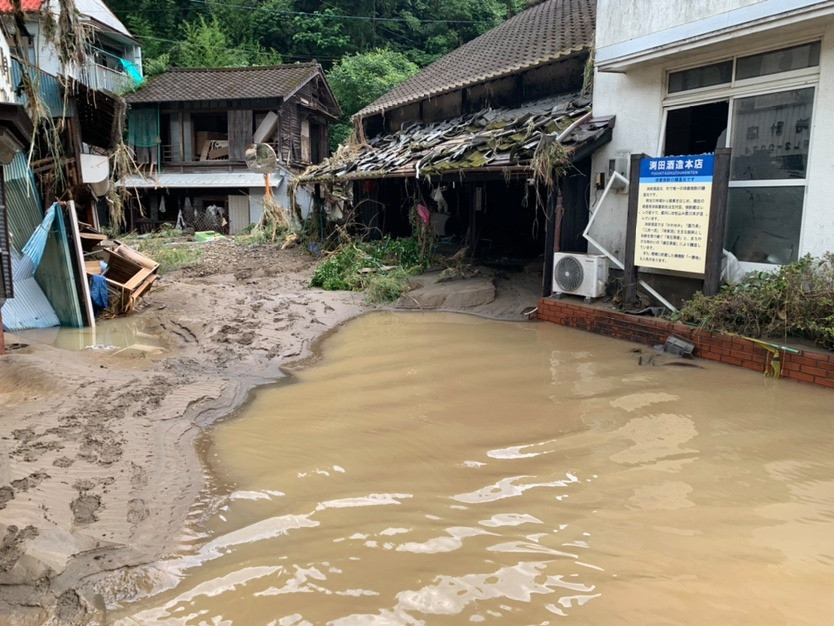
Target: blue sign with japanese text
{"x": 678, "y": 169}
{"x": 673, "y": 210}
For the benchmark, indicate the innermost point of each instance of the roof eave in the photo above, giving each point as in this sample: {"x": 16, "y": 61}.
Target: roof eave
{"x": 563, "y": 56}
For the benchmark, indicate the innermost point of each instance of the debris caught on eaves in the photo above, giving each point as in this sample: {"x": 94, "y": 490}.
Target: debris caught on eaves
{"x": 504, "y": 138}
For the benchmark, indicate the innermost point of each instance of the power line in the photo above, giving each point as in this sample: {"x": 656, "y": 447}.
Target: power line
{"x": 253, "y": 49}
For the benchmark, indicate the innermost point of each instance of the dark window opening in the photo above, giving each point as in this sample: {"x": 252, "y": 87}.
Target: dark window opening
{"x": 316, "y": 149}
{"x": 696, "y": 129}
{"x": 211, "y": 136}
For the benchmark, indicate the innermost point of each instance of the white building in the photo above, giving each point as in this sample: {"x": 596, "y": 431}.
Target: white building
{"x": 113, "y": 56}
{"x": 756, "y": 76}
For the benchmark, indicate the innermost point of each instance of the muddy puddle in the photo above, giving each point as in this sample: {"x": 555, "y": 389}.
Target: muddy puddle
{"x": 132, "y": 334}
{"x": 441, "y": 469}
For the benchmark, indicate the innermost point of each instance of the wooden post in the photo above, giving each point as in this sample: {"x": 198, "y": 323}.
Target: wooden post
{"x": 717, "y": 221}
{"x": 630, "y": 277}
{"x": 549, "y": 242}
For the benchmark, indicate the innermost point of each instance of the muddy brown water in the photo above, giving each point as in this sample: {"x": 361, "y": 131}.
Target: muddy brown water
{"x": 131, "y": 333}
{"x": 442, "y": 469}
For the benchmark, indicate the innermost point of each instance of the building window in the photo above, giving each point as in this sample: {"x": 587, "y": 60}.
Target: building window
{"x": 742, "y": 68}
{"x": 706, "y": 76}
{"x": 777, "y": 61}
{"x": 768, "y": 126}
{"x": 771, "y": 136}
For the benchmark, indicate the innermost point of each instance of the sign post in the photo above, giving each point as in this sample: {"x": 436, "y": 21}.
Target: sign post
{"x": 676, "y": 216}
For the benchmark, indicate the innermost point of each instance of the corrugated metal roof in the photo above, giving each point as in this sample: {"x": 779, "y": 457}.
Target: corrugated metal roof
{"x": 199, "y": 180}
{"x": 48, "y": 86}
{"x": 29, "y": 308}
{"x": 6, "y": 284}
{"x": 22, "y": 202}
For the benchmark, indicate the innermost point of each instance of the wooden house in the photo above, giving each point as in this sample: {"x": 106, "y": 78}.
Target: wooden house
{"x": 484, "y": 137}
{"x": 189, "y": 129}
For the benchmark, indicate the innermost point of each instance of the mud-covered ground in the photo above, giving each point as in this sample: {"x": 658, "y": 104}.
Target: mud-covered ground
{"x": 97, "y": 461}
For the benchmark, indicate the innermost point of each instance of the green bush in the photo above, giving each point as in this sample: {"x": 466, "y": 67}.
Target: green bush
{"x": 387, "y": 287}
{"x": 381, "y": 267}
{"x": 795, "y": 301}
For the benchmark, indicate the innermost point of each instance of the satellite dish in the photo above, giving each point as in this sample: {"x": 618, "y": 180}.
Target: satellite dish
{"x": 261, "y": 159}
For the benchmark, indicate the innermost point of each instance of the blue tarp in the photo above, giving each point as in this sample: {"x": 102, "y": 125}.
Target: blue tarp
{"x": 33, "y": 249}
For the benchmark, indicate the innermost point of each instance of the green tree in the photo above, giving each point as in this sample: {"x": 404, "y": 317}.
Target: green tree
{"x": 273, "y": 25}
{"x": 320, "y": 35}
{"x": 360, "y": 79}
{"x": 207, "y": 45}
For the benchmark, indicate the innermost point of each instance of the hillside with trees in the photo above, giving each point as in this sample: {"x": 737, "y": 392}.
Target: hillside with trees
{"x": 367, "y": 46}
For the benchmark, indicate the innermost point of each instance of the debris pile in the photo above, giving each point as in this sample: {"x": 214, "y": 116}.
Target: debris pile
{"x": 128, "y": 274}
{"x": 504, "y": 139}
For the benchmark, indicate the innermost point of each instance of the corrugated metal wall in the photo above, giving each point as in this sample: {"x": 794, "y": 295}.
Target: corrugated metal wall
{"x": 48, "y": 86}
{"x": 6, "y": 286}
{"x": 25, "y": 211}
{"x": 238, "y": 214}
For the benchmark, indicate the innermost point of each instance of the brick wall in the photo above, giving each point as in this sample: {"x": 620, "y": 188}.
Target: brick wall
{"x": 810, "y": 366}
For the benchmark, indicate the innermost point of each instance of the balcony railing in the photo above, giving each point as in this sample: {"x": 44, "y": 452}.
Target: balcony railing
{"x": 103, "y": 78}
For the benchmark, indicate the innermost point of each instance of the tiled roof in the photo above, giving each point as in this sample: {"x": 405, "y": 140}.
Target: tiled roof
{"x": 26, "y": 5}
{"x": 497, "y": 139}
{"x": 233, "y": 83}
{"x": 543, "y": 33}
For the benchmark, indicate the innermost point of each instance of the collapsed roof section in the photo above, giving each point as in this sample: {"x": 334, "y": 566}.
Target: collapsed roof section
{"x": 499, "y": 140}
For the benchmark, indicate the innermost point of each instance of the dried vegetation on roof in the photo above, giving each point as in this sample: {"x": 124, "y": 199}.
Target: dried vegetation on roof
{"x": 497, "y": 138}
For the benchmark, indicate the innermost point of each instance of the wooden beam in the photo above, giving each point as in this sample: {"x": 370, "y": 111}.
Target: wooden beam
{"x": 717, "y": 221}
{"x": 549, "y": 242}
{"x": 630, "y": 277}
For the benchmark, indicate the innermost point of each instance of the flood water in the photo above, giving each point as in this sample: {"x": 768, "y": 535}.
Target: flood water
{"x": 442, "y": 469}
{"x": 132, "y": 333}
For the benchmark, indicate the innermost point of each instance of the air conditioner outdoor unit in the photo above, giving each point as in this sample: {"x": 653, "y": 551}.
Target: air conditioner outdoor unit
{"x": 579, "y": 274}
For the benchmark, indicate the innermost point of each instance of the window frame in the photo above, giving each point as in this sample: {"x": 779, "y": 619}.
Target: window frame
{"x": 739, "y": 89}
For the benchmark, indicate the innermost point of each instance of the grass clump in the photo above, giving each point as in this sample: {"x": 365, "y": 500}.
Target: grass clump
{"x": 168, "y": 247}
{"x": 380, "y": 268}
{"x": 795, "y": 301}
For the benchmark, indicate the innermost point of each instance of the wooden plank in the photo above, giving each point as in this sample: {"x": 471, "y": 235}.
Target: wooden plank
{"x": 240, "y": 133}
{"x": 92, "y": 267}
{"x": 137, "y": 279}
{"x": 140, "y": 291}
{"x": 135, "y": 256}
{"x": 266, "y": 128}
{"x": 120, "y": 268}
{"x": 80, "y": 268}
{"x": 717, "y": 221}
{"x": 630, "y": 277}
